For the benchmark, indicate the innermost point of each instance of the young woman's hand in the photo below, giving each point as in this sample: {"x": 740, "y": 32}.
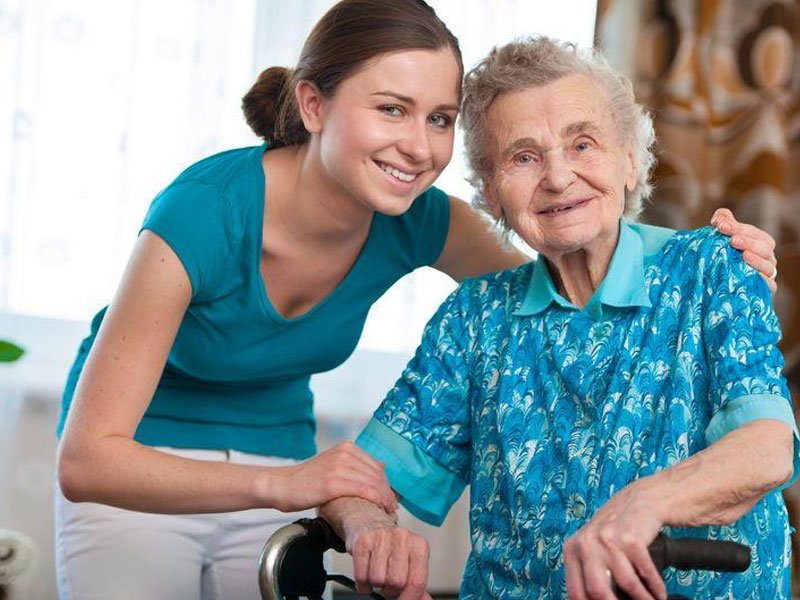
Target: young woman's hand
{"x": 344, "y": 470}
{"x": 757, "y": 246}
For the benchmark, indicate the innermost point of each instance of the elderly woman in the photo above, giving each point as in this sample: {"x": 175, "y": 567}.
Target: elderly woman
{"x": 629, "y": 382}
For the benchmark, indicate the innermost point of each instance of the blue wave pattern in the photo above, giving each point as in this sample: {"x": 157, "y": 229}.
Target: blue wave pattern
{"x": 546, "y": 415}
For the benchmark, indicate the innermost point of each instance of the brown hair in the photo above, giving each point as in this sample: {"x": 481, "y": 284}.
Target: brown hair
{"x": 349, "y": 34}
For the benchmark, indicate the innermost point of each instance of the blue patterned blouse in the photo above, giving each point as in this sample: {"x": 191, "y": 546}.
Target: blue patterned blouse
{"x": 546, "y": 410}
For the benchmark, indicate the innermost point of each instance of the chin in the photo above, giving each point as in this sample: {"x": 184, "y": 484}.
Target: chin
{"x": 566, "y": 245}
{"x": 393, "y": 207}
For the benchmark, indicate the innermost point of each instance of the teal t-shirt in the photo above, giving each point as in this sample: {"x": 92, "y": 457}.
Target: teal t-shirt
{"x": 237, "y": 376}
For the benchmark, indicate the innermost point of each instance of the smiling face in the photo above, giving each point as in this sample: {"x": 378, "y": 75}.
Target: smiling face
{"x": 387, "y": 132}
{"x": 560, "y": 169}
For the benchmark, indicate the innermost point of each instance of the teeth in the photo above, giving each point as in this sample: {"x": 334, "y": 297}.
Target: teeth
{"x": 563, "y": 208}
{"x": 398, "y": 174}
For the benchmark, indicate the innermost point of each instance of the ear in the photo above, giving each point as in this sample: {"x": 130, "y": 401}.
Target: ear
{"x": 310, "y": 104}
{"x": 490, "y": 196}
{"x": 631, "y": 172}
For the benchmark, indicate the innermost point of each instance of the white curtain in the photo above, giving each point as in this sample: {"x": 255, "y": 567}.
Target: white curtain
{"x": 103, "y": 102}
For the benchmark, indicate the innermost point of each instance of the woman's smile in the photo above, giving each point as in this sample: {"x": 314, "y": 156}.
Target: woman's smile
{"x": 564, "y": 208}
{"x": 397, "y": 173}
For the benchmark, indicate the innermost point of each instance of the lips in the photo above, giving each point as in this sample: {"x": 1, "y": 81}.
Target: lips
{"x": 554, "y": 210}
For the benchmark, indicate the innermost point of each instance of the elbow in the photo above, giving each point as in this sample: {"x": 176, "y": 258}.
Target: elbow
{"x": 785, "y": 470}
{"x": 72, "y": 474}
{"x": 778, "y": 466}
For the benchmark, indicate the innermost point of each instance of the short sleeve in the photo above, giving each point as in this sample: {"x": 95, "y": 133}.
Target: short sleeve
{"x": 422, "y": 428}
{"x": 741, "y": 334}
{"x": 194, "y": 220}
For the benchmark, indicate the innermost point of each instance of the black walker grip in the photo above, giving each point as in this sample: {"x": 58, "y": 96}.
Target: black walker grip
{"x": 689, "y": 553}
{"x": 321, "y": 532}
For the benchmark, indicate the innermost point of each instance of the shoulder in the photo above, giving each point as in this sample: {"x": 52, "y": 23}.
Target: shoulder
{"x": 708, "y": 249}
{"x": 703, "y": 260}
{"x": 479, "y": 308}
{"x": 205, "y": 191}
{"x": 498, "y": 294}
{"x": 224, "y": 169}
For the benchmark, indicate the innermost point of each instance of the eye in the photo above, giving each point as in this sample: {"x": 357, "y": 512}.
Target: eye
{"x": 440, "y": 121}
{"x": 393, "y": 110}
{"x": 525, "y": 158}
{"x": 583, "y": 145}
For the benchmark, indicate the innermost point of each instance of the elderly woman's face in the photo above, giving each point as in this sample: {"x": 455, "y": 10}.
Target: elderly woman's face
{"x": 560, "y": 167}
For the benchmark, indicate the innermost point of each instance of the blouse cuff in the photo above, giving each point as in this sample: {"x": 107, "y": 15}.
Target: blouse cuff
{"x": 427, "y": 489}
{"x": 744, "y": 409}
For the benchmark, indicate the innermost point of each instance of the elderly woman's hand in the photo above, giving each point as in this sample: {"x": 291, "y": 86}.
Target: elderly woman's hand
{"x": 614, "y": 545}
{"x": 390, "y": 558}
{"x": 757, "y": 246}
{"x": 385, "y": 556}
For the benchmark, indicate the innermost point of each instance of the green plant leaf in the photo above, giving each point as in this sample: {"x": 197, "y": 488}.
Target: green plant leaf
{"x": 9, "y": 352}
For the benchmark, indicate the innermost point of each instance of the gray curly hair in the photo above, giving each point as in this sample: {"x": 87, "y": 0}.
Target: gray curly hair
{"x": 537, "y": 61}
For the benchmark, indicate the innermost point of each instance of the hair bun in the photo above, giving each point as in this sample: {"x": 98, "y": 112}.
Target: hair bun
{"x": 261, "y": 104}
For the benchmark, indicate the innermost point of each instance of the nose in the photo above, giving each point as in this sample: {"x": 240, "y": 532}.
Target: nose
{"x": 558, "y": 173}
{"x": 414, "y": 143}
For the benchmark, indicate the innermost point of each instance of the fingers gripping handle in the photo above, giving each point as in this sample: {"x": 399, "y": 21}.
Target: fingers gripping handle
{"x": 695, "y": 554}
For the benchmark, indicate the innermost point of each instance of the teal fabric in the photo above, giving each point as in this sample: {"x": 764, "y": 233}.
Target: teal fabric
{"x": 237, "y": 376}
{"x": 623, "y": 285}
{"x": 548, "y": 415}
{"x": 414, "y": 474}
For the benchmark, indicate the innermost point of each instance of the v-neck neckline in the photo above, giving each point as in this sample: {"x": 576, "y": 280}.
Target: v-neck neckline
{"x": 267, "y": 304}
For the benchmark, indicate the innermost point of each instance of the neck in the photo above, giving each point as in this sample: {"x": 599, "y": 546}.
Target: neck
{"x": 578, "y": 274}
{"x": 305, "y": 204}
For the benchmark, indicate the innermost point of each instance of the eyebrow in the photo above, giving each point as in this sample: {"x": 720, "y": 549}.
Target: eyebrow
{"x": 411, "y": 101}
{"x": 529, "y": 142}
{"x": 580, "y": 127}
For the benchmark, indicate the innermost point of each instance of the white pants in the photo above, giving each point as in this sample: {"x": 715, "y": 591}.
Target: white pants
{"x": 107, "y": 553}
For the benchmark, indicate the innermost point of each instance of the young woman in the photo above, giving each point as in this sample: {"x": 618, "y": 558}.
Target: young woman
{"x": 189, "y": 402}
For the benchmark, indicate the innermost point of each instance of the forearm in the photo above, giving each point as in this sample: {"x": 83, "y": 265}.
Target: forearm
{"x": 350, "y": 515}
{"x": 721, "y": 483}
{"x": 121, "y": 472}
{"x": 472, "y": 247}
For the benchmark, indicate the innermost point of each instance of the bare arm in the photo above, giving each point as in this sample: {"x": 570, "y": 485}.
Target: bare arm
{"x": 99, "y": 460}
{"x": 472, "y": 248}
{"x": 720, "y": 484}
{"x": 713, "y": 487}
{"x": 384, "y": 555}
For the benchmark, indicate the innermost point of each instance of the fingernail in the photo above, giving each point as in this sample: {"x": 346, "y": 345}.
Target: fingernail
{"x": 724, "y": 227}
